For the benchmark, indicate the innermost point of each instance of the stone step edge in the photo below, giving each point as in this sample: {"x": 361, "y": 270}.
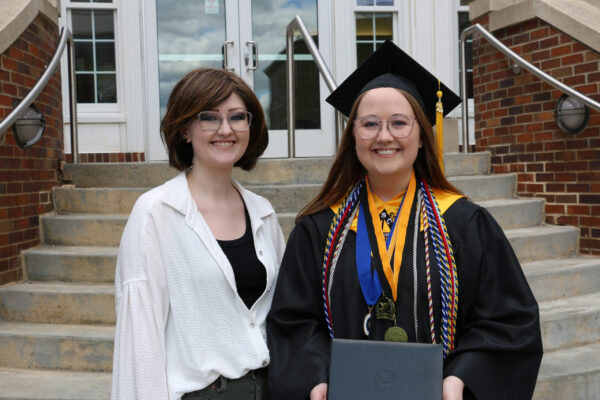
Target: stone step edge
{"x": 73, "y": 251}
{"x": 567, "y": 307}
{"x": 565, "y": 264}
{"x": 52, "y": 384}
{"x": 60, "y": 288}
{"x": 103, "y": 332}
{"x": 571, "y": 361}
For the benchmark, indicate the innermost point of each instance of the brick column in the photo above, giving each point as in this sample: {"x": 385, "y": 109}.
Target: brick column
{"x": 514, "y": 120}
{"x": 28, "y": 175}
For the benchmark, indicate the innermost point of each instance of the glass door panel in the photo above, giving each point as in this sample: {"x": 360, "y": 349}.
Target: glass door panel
{"x": 191, "y": 34}
{"x": 269, "y": 23}
{"x": 252, "y": 34}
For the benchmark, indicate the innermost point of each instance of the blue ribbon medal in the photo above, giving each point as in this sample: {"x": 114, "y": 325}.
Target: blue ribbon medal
{"x": 368, "y": 278}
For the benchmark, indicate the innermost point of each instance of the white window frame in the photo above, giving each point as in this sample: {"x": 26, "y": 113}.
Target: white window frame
{"x": 96, "y": 112}
{"x": 457, "y": 112}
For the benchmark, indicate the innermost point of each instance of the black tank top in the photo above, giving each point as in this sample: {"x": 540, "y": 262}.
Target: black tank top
{"x": 250, "y": 274}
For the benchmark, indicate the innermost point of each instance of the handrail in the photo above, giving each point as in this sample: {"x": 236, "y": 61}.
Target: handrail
{"x": 298, "y": 24}
{"x": 519, "y": 61}
{"x": 65, "y": 38}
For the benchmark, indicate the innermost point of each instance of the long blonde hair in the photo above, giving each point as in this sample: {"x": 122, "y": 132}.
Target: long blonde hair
{"x": 347, "y": 169}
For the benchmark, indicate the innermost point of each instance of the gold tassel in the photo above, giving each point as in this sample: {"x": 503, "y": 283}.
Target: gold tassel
{"x": 439, "y": 126}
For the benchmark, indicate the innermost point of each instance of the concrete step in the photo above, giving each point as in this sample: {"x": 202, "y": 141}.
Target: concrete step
{"x": 27, "y": 384}
{"x": 570, "y": 322}
{"x": 570, "y": 374}
{"x": 83, "y": 230}
{"x": 70, "y": 200}
{"x": 559, "y": 278}
{"x": 60, "y": 303}
{"x": 101, "y": 230}
{"x": 515, "y": 213}
{"x": 486, "y": 187}
{"x": 71, "y": 264}
{"x": 456, "y": 164}
{"x": 543, "y": 242}
{"x": 530, "y": 244}
{"x": 268, "y": 171}
{"x": 287, "y": 222}
{"x": 56, "y": 346}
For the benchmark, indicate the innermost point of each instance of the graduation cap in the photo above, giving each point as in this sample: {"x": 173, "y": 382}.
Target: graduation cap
{"x": 389, "y": 66}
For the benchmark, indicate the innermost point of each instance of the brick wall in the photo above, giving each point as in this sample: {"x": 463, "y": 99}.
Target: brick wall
{"x": 108, "y": 157}
{"x": 514, "y": 120}
{"x": 28, "y": 175}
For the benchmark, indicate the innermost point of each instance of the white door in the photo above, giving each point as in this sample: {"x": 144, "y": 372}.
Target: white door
{"x": 248, "y": 38}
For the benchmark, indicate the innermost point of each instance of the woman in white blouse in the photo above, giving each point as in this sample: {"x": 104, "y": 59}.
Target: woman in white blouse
{"x": 199, "y": 256}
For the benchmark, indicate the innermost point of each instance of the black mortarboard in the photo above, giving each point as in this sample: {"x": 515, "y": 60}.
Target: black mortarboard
{"x": 389, "y": 66}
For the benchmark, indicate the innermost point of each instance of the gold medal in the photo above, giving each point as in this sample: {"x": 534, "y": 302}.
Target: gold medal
{"x": 385, "y": 309}
{"x": 395, "y": 334}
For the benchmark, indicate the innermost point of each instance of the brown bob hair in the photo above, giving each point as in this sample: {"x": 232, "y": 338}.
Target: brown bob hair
{"x": 347, "y": 169}
{"x": 200, "y": 90}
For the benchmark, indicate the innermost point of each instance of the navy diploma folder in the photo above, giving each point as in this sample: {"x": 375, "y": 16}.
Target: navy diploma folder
{"x": 375, "y": 370}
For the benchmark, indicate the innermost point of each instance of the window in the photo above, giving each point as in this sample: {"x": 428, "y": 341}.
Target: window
{"x": 93, "y": 27}
{"x": 372, "y": 29}
{"x": 373, "y": 26}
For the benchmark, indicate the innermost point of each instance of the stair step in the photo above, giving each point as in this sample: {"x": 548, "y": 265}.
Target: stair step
{"x": 83, "y": 230}
{"x": 56, "y": 346}
{"x": 515, "y": 213}
{"x": 26, "y": 384}
{"x": 456, "y": 164}
{"x": 68, "y": 200}
{"x": 485, "y": 187}
{"x": 543, "y": 242}
{"x": 570, "y": 374}
{"x": 267, "y": 171}
{"x": 569, "y": 322}
{"x": 71, "y": 264}
{"x": 287, "y": 222}
{"x": 62, "y": 303}
{"x": 559, "y": 278}
{"x": 104, "y": 230}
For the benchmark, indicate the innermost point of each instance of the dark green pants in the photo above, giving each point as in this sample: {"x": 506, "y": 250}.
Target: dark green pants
{"x": 252, "y": 386}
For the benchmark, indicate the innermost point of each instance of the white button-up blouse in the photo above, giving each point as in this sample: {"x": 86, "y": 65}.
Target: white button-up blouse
{"x": 180, "y": 321}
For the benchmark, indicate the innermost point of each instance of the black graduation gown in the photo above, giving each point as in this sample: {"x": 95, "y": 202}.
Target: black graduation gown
{"x": 498, "y": 347}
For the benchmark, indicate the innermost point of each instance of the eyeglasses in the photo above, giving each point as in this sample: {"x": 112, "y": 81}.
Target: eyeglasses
{"x": 211, "y": 121}
{"x": 399, "y": 126}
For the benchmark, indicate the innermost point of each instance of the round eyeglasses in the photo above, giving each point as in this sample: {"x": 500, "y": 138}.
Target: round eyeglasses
{"x": 211, "y": 121}
{"x": 399, "y": 126}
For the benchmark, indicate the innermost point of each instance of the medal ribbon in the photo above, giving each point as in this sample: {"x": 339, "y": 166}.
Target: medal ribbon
{"x": 398, "y": 235}
{"x": 368, "y": 278}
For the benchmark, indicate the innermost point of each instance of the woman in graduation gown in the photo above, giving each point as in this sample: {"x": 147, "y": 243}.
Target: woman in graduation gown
{"x": 390, "y": 250}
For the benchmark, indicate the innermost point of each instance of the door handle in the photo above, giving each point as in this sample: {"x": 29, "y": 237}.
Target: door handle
{"x": 225, "y": 59}
{"x": 254, "y": 55}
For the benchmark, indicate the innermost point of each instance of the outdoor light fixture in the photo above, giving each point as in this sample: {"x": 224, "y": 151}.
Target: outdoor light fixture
{"x": 571, "y": 115}
{"x": 516, "y": 68}
{"x": 29, "y": 127}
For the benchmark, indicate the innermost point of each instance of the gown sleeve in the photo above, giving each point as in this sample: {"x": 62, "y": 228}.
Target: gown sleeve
{"x": 296, "y": 332}
{"x": 139, "y": 361}
{"x": 498, "y": 342}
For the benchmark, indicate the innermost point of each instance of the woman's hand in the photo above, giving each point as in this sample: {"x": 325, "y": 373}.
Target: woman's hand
{"x": 319, "y": 392}
{"x": 452, "y": 388}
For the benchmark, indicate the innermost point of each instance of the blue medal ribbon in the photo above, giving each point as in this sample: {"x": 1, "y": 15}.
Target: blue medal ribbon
{"x": 369, "y": 282}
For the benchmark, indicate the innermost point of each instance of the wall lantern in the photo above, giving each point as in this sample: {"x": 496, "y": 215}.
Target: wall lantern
{"x": 29, "y": 127}
{"x": 571, "y": 115}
